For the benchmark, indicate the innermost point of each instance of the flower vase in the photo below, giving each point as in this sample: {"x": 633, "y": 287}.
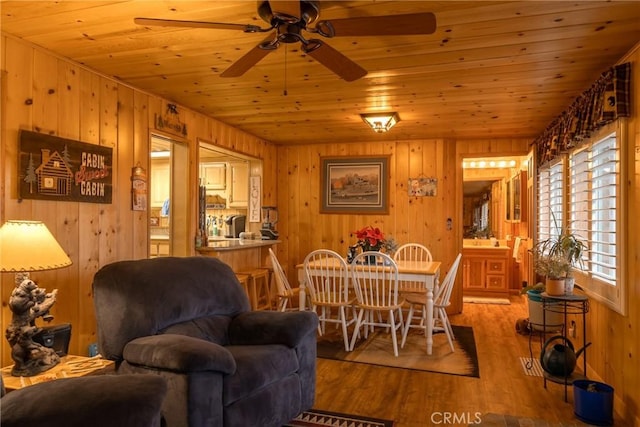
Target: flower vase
{"x": 370, "y": 259}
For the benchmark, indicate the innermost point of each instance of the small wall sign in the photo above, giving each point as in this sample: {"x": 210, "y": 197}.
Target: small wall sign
{"x": 254, "y": 199}
{"x": 53, "y": 168}
{"x": 138, "y": 188}
{"x": 170, "y": 121}
{"x": 423, "y": 186}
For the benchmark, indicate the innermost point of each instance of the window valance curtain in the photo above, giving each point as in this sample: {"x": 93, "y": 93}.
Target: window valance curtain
{"x": 606, "y": 100}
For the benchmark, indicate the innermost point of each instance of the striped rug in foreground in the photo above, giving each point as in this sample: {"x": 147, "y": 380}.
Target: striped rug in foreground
{"x": 317, "y": 418}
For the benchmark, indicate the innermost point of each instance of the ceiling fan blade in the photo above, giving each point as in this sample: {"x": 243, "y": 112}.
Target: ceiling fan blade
{"x": 286, "y": 10}
{"x": 248, "y": 60}
{"x": 394, "y": 25}
{"x": 336, "y": 62}
{"x": 195, "y": 24}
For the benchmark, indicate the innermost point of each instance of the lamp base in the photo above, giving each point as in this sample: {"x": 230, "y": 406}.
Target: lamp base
{"x": 42, "y": 359}
{"x": 28, "y": 302}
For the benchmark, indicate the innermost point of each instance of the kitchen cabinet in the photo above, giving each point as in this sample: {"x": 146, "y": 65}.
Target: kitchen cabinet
{"x": 485, "y": 271}
{"x": 214, "y": 175}
{"x": 228, "y": 180}
{"x": 238, "y": 192}
{"x": 160, "y": 182}
{"x": 159, "y": 246}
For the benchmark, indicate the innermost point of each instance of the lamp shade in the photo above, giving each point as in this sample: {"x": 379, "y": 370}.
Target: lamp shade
{"x": 29, "y": 246}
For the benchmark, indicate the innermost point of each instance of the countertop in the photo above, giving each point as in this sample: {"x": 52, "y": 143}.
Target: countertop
{"x": 485, "y": 244}
{"x": 235, "y": 244}
{"x": 484, "y": 247}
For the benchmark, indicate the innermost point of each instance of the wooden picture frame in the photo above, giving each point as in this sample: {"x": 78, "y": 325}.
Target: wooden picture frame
{"x": 356, "y": 185}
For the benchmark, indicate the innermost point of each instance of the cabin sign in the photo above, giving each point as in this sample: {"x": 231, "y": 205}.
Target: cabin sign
{"x": 53, "y": 168}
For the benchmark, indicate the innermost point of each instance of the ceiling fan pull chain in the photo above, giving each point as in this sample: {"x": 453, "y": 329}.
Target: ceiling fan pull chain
{"x": 285, "y": 71}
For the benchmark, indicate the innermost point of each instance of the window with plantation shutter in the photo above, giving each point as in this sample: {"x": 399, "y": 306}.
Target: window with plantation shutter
{"x": 550, "y": 201}
{"x": 579, "y": 197}
{"x": 604, "y": 196}
{"x": 593, "y": 208}
{"x": 583, "y": 192}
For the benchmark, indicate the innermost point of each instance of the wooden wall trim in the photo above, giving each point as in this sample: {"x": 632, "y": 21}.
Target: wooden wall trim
{"x": 46, "y": 93}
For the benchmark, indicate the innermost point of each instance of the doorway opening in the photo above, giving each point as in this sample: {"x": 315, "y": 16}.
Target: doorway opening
{"x": 491, "y": 202}
{"x": 494, "y": 224}
{"x": 169, "y": 197}
{"x": 231, "y": 187}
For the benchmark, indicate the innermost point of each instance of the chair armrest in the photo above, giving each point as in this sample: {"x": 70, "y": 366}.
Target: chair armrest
{"x": 179, "y": 353}
{"x": 272, "y": 327}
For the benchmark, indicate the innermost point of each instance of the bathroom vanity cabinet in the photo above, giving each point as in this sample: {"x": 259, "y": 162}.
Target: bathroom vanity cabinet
{"x": 485, "y": 270}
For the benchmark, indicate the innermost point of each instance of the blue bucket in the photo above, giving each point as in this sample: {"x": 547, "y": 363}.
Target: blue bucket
{"x": 593, "y": 402}
{"x": 534, "y": 295}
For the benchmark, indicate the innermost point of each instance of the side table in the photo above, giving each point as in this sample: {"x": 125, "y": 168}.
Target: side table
{"x": 70, "y": 366}
{"x": 566, "y": 304}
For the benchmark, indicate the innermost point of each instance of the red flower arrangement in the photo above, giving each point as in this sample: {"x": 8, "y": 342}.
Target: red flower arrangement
{"x": 373, "y": 239}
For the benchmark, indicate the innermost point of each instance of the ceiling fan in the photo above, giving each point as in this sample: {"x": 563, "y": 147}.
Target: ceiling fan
{"x": 288, "y": 19}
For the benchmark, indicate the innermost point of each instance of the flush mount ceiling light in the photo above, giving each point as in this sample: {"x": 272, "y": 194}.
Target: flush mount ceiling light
{"x": 381, "y": 122}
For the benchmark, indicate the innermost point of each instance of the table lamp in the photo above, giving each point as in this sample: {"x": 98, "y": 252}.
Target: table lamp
{"x": 29, "y": 246}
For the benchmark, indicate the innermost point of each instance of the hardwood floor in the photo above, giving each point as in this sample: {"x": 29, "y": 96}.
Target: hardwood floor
{"x": 419, "y": 399}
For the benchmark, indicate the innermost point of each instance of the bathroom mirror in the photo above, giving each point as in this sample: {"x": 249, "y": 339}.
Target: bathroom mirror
{"x": 489, "y": 194}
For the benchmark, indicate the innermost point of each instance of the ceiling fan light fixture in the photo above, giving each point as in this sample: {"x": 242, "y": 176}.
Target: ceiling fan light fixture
{"x": 381, "y": 122}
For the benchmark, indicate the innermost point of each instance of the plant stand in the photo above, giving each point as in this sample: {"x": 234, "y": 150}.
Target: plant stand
{"x": 566, "y": 304}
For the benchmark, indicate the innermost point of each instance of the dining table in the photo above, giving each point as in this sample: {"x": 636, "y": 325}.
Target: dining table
{"x": 427, "y": 272}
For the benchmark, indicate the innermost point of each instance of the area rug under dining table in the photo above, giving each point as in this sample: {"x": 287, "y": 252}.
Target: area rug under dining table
{"x": 377, "y": 349}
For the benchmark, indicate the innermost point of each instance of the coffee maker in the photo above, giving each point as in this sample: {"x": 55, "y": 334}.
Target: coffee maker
{"x": 269, "y": 219}
{"x": 234, "y": 225}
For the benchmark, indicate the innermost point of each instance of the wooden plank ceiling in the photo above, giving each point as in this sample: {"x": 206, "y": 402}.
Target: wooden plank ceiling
{"x": 492, "y": 69}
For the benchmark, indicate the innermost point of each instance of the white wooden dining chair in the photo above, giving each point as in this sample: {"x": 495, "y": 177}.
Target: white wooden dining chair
{"x": 327, "y": 280}
{"x": 375, "y": 279}
{"x": 412, "y": 253}
{"x": 284, "y": 291}
{"x": 441, "y": 300}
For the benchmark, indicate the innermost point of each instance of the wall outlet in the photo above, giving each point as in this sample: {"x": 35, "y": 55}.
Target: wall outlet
{"x": 93, "y": 349}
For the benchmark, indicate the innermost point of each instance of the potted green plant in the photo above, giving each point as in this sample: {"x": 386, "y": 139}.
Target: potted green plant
{"x": 554, "y": 268}
{"x": 558, "y": 255}
{"x": 553, "y": 259}
{"x": 569, "y": 246}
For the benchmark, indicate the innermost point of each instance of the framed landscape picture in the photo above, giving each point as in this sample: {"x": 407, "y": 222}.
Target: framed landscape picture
{"x": 358, "y": 185}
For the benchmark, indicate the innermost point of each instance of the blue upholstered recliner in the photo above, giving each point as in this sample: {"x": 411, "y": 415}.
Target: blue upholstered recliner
{"x": 188, "y": 320}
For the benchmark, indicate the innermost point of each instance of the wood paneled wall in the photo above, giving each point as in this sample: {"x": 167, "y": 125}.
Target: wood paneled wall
{"x": 47, "y": 94}
{"x": 410, "y": 219}
{"x": 614, "y": 354}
